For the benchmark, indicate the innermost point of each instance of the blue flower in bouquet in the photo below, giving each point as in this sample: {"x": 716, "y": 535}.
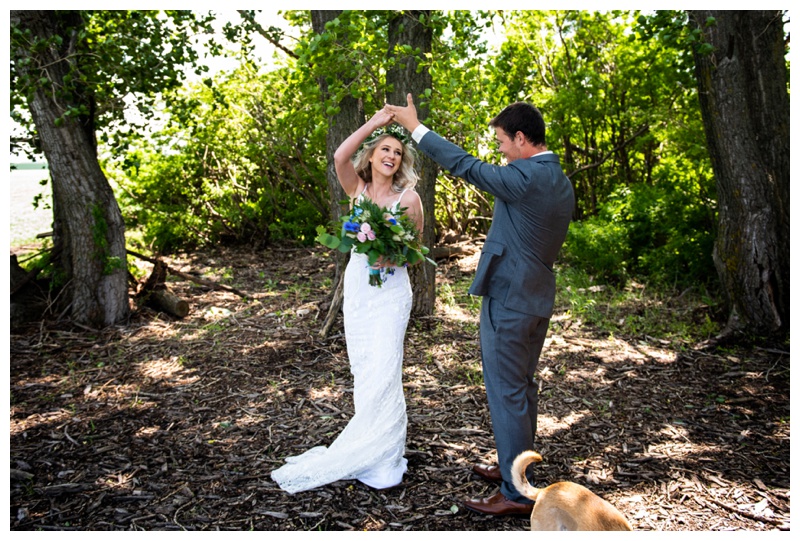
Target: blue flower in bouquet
{"x": 352, "y": 227}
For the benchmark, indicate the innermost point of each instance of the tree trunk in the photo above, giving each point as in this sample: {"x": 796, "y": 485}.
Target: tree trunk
{"x": 745, "y": 106}
{"x": 88, "y": 227}
{"x": 349, "y": 118}
{"x": 404, "y": 77}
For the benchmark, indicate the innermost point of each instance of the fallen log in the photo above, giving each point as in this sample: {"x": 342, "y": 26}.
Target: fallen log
{"x": 29, "y": 299}
{"x": 212, "y": 285}
{"x": 164, "y": 300}
{"x": 446, "y": 252}
{"x": 20, "y": 278}
{"x": 155, "y": 293}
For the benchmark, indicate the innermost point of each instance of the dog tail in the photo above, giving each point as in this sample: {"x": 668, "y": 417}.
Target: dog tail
{"x": 518, "y": 476}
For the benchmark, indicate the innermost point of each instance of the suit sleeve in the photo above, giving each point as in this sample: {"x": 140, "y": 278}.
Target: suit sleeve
{"x": 505, "y": 182}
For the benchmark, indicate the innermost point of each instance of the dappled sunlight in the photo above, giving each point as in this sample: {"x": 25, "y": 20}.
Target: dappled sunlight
{"x": 682, "y": 449}
{"x": 451, "y": 358}
{"x": 249, "y": 418}
{"x": 418, "y": 377}
{"x": 267, "y": 347}
{"x": 549, "y": 424}
{"x": 468, "y": 264}
{"x": 610, "y": 349}
{"x": 189, "y": 416}
{"x": 146, "y": 431}
{"x": 171, "y": 370}
{"x": 456, "y": 313}
{"x": 266, "y": 294}
{"x": 675, "y": 432}
{"x": 325, "y": 393}
{"x": 155, "y": 328}
{"x": 56, "y": 417}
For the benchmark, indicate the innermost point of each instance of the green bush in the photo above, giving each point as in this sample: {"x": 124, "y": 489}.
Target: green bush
{"x": 178, "y": 210}
{"x": 660, "y": 234}
{"x": 232, "y": 165}
{"x": 600, "y": 248}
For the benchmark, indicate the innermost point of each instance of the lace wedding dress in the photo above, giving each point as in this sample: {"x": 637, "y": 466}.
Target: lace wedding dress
{"x": 371, "y": 446}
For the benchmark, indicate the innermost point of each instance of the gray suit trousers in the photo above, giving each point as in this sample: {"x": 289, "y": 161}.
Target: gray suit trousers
{"x": 511, "y": 343}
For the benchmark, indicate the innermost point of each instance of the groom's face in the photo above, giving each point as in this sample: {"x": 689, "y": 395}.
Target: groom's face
{"x": 508, "y": 146}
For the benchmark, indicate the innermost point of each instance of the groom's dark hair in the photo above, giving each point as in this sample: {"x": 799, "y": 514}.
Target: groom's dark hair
{"x": 522, "y": 117}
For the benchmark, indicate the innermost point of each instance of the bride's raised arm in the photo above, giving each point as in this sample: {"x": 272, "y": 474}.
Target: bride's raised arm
{"x": 343, "y": 155}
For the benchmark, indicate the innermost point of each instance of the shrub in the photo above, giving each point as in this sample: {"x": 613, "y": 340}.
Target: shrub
{"x": 655, "y": 233}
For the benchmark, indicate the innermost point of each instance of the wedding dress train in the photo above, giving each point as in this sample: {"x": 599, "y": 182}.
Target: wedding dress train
{"x": 371, "y": 446}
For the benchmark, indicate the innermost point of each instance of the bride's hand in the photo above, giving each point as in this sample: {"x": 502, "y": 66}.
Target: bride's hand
{"x": 382, "y": 263}
{"x": 382, "y": 118}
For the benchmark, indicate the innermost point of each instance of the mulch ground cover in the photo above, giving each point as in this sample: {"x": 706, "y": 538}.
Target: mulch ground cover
{"x": 175, "y": 424}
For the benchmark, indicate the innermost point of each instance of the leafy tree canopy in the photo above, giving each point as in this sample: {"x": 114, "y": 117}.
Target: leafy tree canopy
{"x": 115, "y": 59}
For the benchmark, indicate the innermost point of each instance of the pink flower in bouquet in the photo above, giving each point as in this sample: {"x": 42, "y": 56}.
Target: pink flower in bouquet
{"x": 366, "y": 233}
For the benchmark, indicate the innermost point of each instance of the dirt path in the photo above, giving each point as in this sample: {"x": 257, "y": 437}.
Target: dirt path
{"x": 175, "y": 425}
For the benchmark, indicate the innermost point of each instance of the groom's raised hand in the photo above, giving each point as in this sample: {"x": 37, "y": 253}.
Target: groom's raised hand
{"x": 405, "y": 116}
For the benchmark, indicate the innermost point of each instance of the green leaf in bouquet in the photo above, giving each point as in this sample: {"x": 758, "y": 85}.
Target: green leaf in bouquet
{"x": 372, "y": 257}
{"x": 326, "y": 239}
{"x": 345, "y": 245}
{"x": 413, "y": 257}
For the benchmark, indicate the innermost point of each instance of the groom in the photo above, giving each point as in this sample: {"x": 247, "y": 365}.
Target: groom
{"x": 532, "y": 210}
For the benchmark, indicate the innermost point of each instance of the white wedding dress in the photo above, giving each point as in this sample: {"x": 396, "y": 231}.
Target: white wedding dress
{"x": 371, "y": 446}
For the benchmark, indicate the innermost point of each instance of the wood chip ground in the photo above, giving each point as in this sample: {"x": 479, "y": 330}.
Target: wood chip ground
{"x": 166, "y": 424}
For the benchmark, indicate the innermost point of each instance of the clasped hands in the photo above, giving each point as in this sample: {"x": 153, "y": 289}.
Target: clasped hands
{"x": 405, "y": 116}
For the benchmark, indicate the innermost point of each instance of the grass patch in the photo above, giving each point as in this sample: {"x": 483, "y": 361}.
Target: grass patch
{"x": 635, "y": 309}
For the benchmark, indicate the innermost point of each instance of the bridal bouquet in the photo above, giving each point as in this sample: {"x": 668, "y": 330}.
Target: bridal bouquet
{"x": 380, "y": 233}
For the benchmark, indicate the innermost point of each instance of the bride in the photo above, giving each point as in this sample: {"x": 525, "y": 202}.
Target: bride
{"x": 371, "y": 446}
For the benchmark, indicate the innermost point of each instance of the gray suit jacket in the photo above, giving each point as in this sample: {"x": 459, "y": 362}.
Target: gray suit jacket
{"x": 532, "y": 210}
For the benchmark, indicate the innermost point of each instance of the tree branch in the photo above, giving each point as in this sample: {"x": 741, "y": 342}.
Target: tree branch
{"x": 247, "y": 16}
{"x": 200, "y": 281}
{"x": 641, "y": 131}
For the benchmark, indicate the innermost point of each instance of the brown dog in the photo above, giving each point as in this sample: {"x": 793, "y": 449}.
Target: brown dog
{"x": 565, "y": 506}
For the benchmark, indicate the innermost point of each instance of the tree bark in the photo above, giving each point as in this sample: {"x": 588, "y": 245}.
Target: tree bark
{"x": 88, "y": 227}
{"x": 403, "y": 77}
{"x": 349, "y": 118}
{"x": 745, "y": 106}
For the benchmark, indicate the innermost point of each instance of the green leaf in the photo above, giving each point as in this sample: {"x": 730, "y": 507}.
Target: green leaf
{"x": 372, "y": 257}
{"x": 413, "y": 257}
{"x": 326, "y": 239}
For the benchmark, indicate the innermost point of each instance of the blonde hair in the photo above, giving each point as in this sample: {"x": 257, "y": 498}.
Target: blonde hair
{"x": 405, "y": 177}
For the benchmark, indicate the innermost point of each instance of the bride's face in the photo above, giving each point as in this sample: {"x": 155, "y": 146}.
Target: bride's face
{"x": 387, "y": 157}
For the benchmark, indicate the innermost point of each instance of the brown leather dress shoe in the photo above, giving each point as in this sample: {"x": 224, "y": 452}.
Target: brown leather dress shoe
{"x": 490, "y": 473}
{"x": 499, "y": 505}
